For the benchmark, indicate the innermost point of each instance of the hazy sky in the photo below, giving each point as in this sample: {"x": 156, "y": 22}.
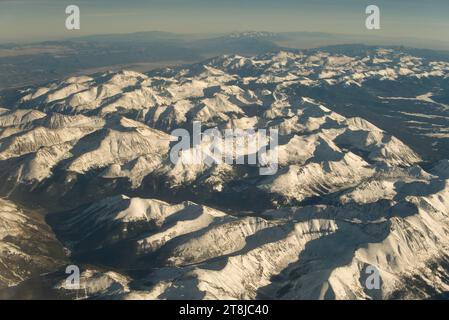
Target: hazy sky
{"x": 24, "y": 20}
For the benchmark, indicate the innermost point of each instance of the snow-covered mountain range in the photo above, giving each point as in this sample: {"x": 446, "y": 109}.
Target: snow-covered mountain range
{"x": 93, "y": 153}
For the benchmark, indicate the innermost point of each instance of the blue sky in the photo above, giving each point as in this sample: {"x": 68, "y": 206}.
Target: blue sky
{"x": 25, "y": 20}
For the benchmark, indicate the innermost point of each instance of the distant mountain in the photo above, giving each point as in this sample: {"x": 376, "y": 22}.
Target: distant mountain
{"x": 132, "y": 37}
{"x": 36, "y": 63}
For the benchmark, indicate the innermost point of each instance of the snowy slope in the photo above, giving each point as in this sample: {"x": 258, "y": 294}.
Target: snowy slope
{"x": 27, "y": 245}
{"x": 310, "y": 252}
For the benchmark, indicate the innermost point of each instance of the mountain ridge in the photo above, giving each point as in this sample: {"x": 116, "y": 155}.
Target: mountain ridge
{"x": 95, "y": 152}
